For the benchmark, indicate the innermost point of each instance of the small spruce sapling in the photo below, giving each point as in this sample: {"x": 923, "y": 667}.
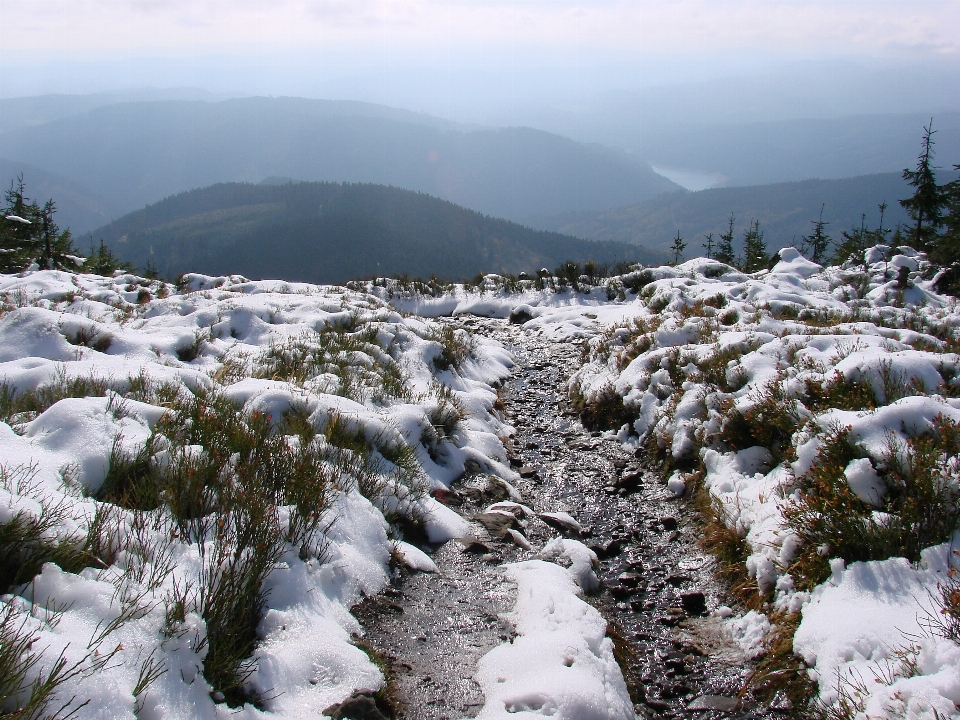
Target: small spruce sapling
{"x": 818, "y": 242}
{"x": 708, "y": 245}
{"x": 755, "y": 256}
{"x": 678, "y": 247}
{"x": 725, "y": 246}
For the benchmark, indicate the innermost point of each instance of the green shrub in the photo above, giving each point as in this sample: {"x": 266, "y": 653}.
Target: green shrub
{"x": 603, "y": 411}
{"x": 770, "y": 421}
{"x": 921, "y": 507}
{"x": 32, "y": 403}
{"x": 455, "y": 347}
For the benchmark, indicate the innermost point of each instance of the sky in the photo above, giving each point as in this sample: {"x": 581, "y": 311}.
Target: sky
{"x": 108, "y": 28}
{"x": 420, "y": 50}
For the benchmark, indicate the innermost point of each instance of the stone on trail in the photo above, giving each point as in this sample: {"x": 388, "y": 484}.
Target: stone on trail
{"x": 562, "y": 521}
{"x": 519, "y": 540}
{"x": 695, "y": 603}
{"x": 359, "y": 706}
{"x": 497, "y": 522}
{"x": 714, "y": 702}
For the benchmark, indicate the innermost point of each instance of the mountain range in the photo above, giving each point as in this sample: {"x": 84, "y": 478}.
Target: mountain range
{"x": 135, "y": 153}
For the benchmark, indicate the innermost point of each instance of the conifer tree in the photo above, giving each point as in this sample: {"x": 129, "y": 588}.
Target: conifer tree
{"x": 755, "y": 256}
{"x": 817, "y": 242}
{"x": 29, "y": 234}
{"x": 678, "y": 247}
{"x": 946, "y": 246}
{"x": 925, "y": 207}
{"x": 854, "y": 242}
{"x": 725, "y": 246}
{"x": 708, "y": 245}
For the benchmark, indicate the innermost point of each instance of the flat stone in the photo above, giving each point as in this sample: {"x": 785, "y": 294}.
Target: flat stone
{"x": 714, "y": 702}
{"x": 675, "y": 690}
{"x": 606, "y": 548}
{"x": 497, "y": 522}
{"x": 562, "y": 521}
{"x": 471, "y": 545}
{"x": 527, "y": 472}
{"x": 678, "y": 579}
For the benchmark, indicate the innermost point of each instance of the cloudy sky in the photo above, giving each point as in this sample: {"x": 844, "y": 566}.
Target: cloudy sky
{"x": 321, "y": 47}
{"x": 102, "y": 27}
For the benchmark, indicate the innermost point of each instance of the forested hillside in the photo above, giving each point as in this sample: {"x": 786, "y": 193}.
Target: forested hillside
{"x": 331, "y": 232}
{"x": 785, "y": 211}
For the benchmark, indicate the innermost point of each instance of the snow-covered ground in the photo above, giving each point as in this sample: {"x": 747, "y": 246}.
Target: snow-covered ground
{"x": 770, "y": 392}
{"x": 783, "y": 392}
{"x": 91, "y": 365}
{"x": 805, "y": 401}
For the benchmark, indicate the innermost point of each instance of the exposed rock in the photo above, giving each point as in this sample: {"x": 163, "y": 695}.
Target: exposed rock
{"x": 521, "y": 314}
{"x": 630, "y": 480}
{"x": 472, "y": 545}
{"x": 669, "y": 523}
{"x": 562, "y": 521}
{"x": 359, "y": 706}
{"x": 714, "y": 702}
{"x": 497, "y": 522}
{"x": 695, "y": 603}
{"x": 519, "y": 539}
{"x": 606, "y": 548}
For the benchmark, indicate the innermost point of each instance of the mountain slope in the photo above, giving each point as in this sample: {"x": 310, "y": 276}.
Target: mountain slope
{"x": 137, "y": 153}
{"x": 785, "y": 212}
{"x": 328, "y": 232}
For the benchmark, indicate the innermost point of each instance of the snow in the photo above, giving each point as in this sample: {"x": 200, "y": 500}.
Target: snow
{"x": 687, "y": 349}
{"x": 561, "y": 663}
{"x": 55, "y": 461}
{"x": 871, "y": 616}
{"x": 797, "y": 326}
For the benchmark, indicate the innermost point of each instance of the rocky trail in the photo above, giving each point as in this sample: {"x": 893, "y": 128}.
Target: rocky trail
{"x": 657, "y": 588}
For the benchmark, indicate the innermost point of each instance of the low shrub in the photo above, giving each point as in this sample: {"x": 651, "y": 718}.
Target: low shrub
{"x": 30, "y": 403}
{"x": 921, "y": 506}
{"x": 456, "y": 346}
{"x": 770, "y": 420}
{"x": 602, "y": 411}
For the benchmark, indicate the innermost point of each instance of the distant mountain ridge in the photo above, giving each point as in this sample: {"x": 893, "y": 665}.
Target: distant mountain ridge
{"x": 136, "y": 153}
{"x": 332, "y": 232}
{"x": 785, "y": 212}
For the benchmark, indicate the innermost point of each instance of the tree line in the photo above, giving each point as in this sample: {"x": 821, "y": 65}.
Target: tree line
{"x": 30, "y": 238}
{"x": 934, "y": 210}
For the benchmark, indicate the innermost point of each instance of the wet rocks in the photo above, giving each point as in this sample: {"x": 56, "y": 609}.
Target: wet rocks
{"x": 497, "y": 522}
{"x": 359, "y": 706}
{"x": 562, "y": 522}
{"x": 606, "y": 548}
{"x": 714, "y": 702}
{"x": 630, "y": 480}
{"x": 694, "y": 603}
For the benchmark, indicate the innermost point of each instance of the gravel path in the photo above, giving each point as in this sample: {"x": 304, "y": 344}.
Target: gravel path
{"x": 657, "y": 583}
